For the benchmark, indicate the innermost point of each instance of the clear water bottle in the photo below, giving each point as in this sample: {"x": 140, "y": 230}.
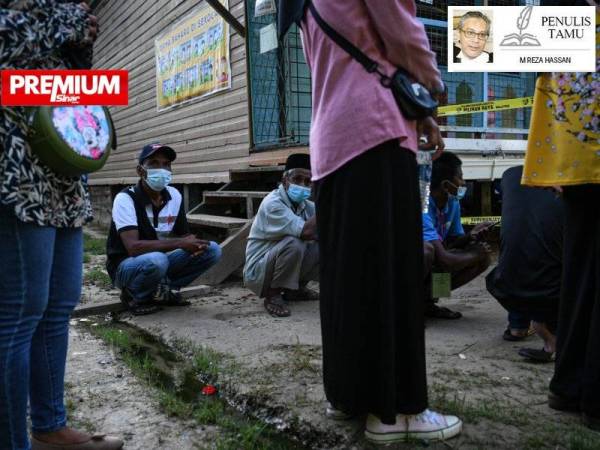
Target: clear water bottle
{"x": 424, "y": 164}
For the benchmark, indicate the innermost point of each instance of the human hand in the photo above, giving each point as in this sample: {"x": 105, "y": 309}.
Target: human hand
{"x": 429, "y": 128}
{"x": 480, "y": 232}
{"x": 193, "y": 245}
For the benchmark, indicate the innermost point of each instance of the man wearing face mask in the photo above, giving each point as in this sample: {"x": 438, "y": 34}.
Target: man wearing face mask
{"x": 282, "y": 254}
{"x": 447, "y": 248}
{"x": 150, "y": 251}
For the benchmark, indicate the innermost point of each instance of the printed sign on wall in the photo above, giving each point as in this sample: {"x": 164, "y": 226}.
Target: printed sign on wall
{"x": 521, "y": 39}
{"x": 192, "y": 58}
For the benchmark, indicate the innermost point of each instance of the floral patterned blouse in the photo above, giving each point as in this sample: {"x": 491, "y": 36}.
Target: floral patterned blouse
{"x": 34, "y": 35}
{"x": 564, "y": 137}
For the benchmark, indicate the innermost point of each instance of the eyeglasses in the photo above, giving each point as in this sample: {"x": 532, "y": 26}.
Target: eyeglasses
{"x": 472, "y": 35}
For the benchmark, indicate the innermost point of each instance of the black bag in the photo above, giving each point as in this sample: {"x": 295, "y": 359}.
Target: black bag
{"x": 413, "y": 98}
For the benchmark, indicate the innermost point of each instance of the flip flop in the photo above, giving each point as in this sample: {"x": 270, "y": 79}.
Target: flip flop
{"x": 535, "y": 355}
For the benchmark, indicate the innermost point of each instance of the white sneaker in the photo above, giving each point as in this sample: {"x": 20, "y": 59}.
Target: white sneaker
{"x": 428, "y": 425}
{"x": 336, "y": 414}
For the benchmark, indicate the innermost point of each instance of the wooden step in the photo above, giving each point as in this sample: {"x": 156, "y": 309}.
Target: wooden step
{"x": 236, "y": 194}
{"x": 232, "y": 258}
{"x": 216, "y": 221}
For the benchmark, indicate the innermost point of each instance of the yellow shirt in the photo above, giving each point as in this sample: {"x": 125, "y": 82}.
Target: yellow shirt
{"x": 564, "y": 135}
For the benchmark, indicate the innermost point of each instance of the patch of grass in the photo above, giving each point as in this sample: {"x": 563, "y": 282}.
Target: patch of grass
{"x": 236, "y": 432}
{"x": 474, "y": 411}
{"x": 174, "y": 406}
{"x": 207, "y": 362}
{"x": 98, "y": 277}
{"x": 87, "y": 258}
{"x": 570, "y": 437}
{"x": 301, "y": 358}
{"x": 209, "y": 411}
{"x": 94, "y": 246}
{"x": 582, "y": 439}
{"x": 114, "y": 337}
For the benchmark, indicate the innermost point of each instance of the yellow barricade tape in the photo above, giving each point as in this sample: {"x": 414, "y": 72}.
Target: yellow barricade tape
{"x": 493, "y": 105}
{"x": 478, "y": 220}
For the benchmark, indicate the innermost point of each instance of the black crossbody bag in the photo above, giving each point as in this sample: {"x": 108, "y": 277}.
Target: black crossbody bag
{"x": 414, "y": 100}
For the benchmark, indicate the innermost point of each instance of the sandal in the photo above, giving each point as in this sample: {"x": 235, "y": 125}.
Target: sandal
{"x": 277, "y": 307}
{"x": 535, "y": 355}
{"x": 99, "y": 442}
{"x": 440, "y": 312}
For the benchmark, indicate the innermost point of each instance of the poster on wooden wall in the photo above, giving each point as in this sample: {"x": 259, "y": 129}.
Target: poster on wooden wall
{"x": 192, "y": 58}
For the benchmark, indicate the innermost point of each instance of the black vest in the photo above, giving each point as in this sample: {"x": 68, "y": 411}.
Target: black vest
{"x": 115, "y": 250}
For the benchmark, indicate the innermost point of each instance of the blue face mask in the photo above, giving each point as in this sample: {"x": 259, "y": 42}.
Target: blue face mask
{"x": 158, "y": 179}
{"x": 461, "y": 191}
{"x": 297, "y": 193}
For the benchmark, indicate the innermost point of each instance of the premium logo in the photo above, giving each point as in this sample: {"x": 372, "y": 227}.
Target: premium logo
{"x": 64, "y": 87}
{"x": 521, "y": 39}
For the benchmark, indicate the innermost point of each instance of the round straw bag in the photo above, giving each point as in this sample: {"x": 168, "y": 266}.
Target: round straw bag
{"x": 72, "y": 140}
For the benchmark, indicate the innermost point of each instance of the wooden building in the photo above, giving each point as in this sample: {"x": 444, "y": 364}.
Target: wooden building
{"x": 237, "y": 135}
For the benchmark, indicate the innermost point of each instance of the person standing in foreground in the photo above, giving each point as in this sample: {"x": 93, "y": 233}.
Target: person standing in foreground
{"x": 41, "y": 218}
{"x": 369, "y": 218}
{"x": 563, "y": 152}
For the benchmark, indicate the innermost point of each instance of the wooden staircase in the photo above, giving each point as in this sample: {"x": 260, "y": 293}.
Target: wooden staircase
{"x": 226, "y": 216}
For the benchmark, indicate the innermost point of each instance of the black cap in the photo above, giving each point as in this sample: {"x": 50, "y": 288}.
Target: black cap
{"x": 298, "y": 161}
{"x": 151, "y": 149}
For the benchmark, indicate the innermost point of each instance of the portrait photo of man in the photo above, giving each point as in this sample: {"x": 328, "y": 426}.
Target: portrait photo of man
{"x": 473, "y": 41}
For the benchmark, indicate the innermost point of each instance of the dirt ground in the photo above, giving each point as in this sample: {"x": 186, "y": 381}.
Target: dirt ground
{"x": 274, "y": 373}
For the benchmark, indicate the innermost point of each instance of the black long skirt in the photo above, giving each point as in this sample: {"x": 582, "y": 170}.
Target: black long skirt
{"x": 577, "y": 374}
{"x": 371, "y": 284}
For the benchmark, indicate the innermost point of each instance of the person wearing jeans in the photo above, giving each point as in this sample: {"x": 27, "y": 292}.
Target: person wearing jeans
{"x": 151, "y": 253}
{"x": 176, "y": 269}
{"x": 41, "y": 217}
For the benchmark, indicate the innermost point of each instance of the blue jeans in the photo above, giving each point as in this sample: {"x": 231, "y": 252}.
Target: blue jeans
{"x": 142, "y": 274}
{"x": 40, "y": 284}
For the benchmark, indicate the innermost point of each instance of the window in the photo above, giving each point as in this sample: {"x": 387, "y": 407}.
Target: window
{"x": 280, "y": 84}
{"x": 280, "y": 88}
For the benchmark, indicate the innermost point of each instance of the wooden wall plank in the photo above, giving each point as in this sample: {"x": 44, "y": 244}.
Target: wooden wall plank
{"x": 210, "y": 134}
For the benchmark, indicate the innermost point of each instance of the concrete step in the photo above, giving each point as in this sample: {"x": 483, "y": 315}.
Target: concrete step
{"x": 216, "y": 221}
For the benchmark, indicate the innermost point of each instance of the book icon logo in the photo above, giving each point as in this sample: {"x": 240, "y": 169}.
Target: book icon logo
{"x": 521, "y": 39}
